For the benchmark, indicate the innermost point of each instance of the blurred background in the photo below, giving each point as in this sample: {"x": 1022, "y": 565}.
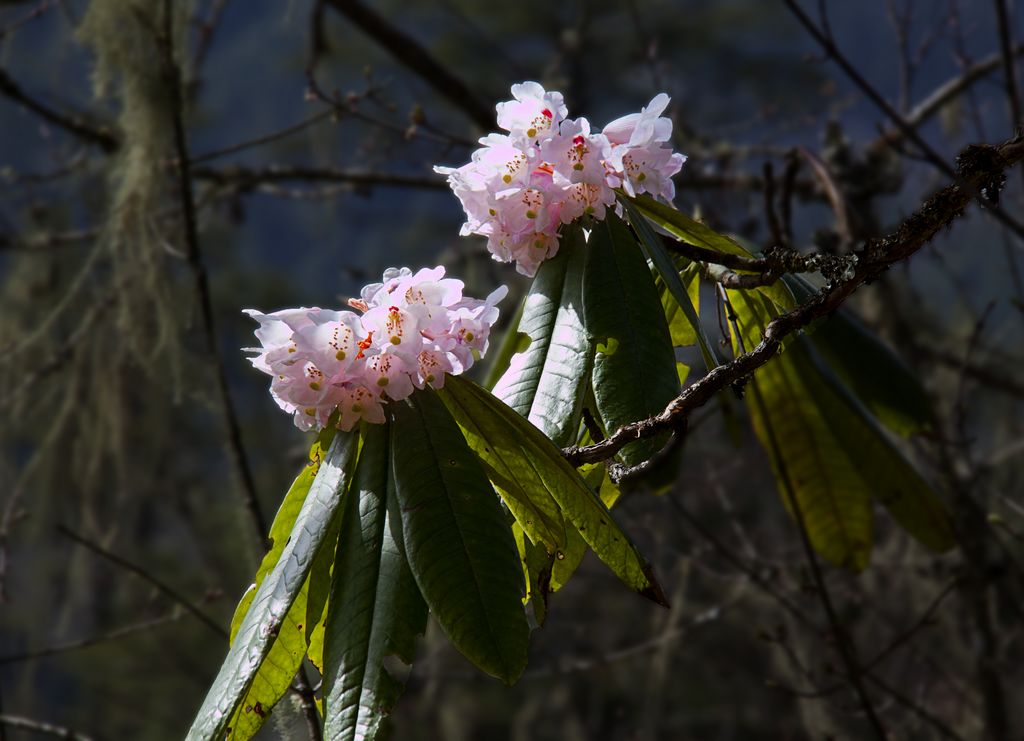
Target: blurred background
{"x": 311, "y": 131}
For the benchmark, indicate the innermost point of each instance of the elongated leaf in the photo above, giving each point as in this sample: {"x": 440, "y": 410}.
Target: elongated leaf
{"x": 669, "y": 274}
{"x": 276, "y": 593}
{"x": 376, "y": 608}
{"x": 634, "y": 374}
{"x": 847, "y": 439}
{"x": 514, "y": 475}
{"x": 318, "y": 589}
{"x": 679, "y": 324}
{"x": 596, "y": 477}
{"x": 283, "y": 522}
{"x": 286, "y": 652}
{"x": 888, "y": 476}
{"x": 578, "y": 502}
{"x": 460, "y": 548}
{"x": 275, "y": 673}
{"x": 873, "y": 372}
{"x": 545, "y": 381}
{"x": 828, "y": 488}
{"x": 693, "y": 232}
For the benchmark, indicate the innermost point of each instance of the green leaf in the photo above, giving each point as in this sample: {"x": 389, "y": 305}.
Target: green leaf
{"x": 546, "y": 468}
{"x": 318, "y": 589}
{"x": 693, "y": 232}
{"x": 873, "y": 372}
{"x": 828, "y": 488}
{"x": 459, "y": 545}
{"x": 275, "y": 595}
{"x": 888, "y": 475}
{"x": 621, "y": 304}
{"x": 545, "y": 381}
{"x": 680, "y": 325}
{"x": 596, "y": 477}
{"x": 376, "y": 609}
{"x": 283, "y": 523}
{"x": 514, "y": 476}
{"x": 286, "y": 653}
{"x": 684, "y": 299}
{"x": 537, "y": 565}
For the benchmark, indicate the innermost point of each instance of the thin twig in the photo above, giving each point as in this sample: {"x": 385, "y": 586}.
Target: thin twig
{"x": 73, "y": 123}
{"x": 43, "y": 727}
{"x": 143, "y": 573}
{"x": 415, "y": 56}
{"x": 1009, "y": 66}
{"x": 827, "y": 43}
{"x": 262, "y": 140}
{"x": 245, "y": 178}
{"x": 109, "y": 636}
{"x": 202, "y": 286}
{"x": 307, "y": 700}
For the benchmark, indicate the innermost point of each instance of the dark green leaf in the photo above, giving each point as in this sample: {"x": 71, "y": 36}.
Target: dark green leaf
{"x": 460, "y": 548}
{"x": 873, "y": 372}
{"x": 275, "y": 595}
{"x": 550, "y": 471}
{"x": 634, "y": 374}
{"x": 376, "y": 609}
{"x": 544, "y": 382}
{"x": 515, "y": 476}
{"x": 693, "y": 232}
{"x": 888, "y": 476}
{"x": 684, "y": 298}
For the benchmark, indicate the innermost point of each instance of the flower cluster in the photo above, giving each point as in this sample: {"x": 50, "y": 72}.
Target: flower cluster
{"x": 412, "y": 329}
{"x": 549, "y": 170}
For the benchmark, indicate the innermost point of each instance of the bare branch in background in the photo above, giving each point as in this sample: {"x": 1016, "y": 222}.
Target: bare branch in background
{"x": 417, "y": 59}
{"x": 173, "y": 594}
{"x": 43, "y": 727}
{"x": 74, "y": 123}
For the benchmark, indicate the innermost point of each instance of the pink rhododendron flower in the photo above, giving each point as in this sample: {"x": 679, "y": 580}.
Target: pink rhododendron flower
{"x": 533, "y": 113}
{"x": 518, "y": 189}
{"x": 414, "y": 328}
